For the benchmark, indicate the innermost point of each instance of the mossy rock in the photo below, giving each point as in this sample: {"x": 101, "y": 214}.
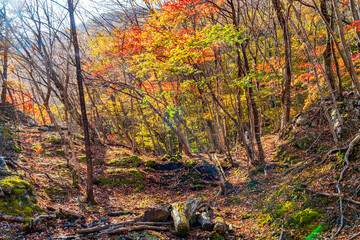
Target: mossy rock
{"x": 143, "y": 235}
{"x": 60, "y": 152}
{"x": 54, "y": 139}
{"x": 18, "y": 198}
{"x": 136, "y": 161}
{"x": 120, "y": 162}
{"x": 82, "y": 159}
{"x": 151, "y": 163}
{"x": 284, "y": 208}
{"x": 133, "y": 172}
{"x": 12, "y": 185}
{"x": 306, "y": 219}
{"x": 115, "y": 182}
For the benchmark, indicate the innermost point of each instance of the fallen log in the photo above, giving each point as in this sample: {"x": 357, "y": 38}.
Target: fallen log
{"x": 63, "y": 213}
{"x": 104, "y": 227}
{"x": 136, "y": 228}
{"x": 205, "y": 221}
{"x": 220, "y": 225}
{"x": 110, "y": 227}
{"x": 181, "y": 223}
{"x": 191, "y": 206}
{"x": 9, "y": 218}
{"x": 116, "y": 214}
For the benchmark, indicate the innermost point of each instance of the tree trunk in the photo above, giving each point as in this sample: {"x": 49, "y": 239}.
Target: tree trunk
{"x": 286, "y": 86}
{"x": 327, "y": 52}
{"x": 89, "y": 188}
{"x": 5, "y": 66}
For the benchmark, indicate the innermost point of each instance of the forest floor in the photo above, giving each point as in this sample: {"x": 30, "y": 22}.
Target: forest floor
{"x": 52, "y": 183}
{"x": 272, "y": 205}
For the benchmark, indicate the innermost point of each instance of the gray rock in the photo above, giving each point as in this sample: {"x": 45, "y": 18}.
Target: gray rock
{"x": 156, "y": 214}
{"x": 3, "y": 166}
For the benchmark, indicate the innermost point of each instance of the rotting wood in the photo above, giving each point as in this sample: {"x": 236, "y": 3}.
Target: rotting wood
{"x": 137, "y": 228}
{"x": 181, "y": 222}
{"x": 116, "y": 214}
{"x": 121, "y": 224}
{"x": 9, "y": 218}
{"x": 69, "y": 214}
{"x": 205, "y": 221}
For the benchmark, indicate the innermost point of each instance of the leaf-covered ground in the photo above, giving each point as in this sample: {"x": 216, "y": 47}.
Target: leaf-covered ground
{"x": 274, "y": 202}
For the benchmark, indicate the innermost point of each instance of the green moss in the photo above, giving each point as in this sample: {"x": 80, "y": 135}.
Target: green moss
{"x": 123, "y": 162}
{"x": 306, "y": 219}
{"x": 173, "y": 159}
{"x": 60, "y": 152}
{"x": 82, "y": 159}
{"x": 135, "y": 173}
{"x": 292, "y": 159}
{"x": 14, "y": 185}
{"x": 190, "y": 163}
{"x": 54, "y": 139}
{"x": 139, "y": 188}
{"x": 264, "y": 218}
{"x": 279, "y": 151}
{"x": 151, "y": 163}
{"x": 136, "y": 161}
{"x": 17, "y": 147}
{"x": 116, "y": 182}
{"x": 18, "y": 197}
{"x": 49, "y": 154}
{"x": 284, "y": 208}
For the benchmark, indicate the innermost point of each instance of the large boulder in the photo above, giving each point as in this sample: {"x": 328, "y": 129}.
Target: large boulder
{"x": 156, "y": 214}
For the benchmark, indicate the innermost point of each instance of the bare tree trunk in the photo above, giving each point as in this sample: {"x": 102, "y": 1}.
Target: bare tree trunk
{"x": 255, "y": 114}
{"x": 327, "y": 52}
{"x": 5, "y": 64}
{"x": 286, "y": 86}
{"x": 89, "y": 188}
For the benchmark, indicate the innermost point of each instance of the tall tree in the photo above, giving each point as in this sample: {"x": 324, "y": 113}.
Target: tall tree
{"x": 286, "y": 85}
{"x": 85, "y": 124}
{"x": 4, "y": 74}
